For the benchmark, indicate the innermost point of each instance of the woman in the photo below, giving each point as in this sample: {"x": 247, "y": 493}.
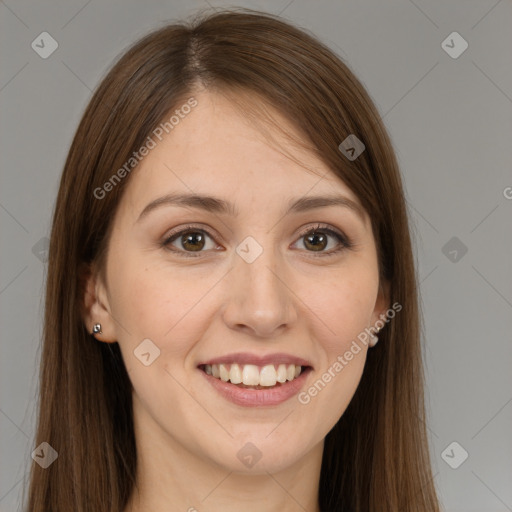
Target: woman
{"x": 229, "y": 243}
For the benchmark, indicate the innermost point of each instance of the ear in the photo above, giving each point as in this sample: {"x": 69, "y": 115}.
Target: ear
{"x": 95, "y": 304}
{"x": 382, "y": 302}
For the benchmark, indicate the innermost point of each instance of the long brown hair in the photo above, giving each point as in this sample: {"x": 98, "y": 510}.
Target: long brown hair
{"x": 376, "y": 457}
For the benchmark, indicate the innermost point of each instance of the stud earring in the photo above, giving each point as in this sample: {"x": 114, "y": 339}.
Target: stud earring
{"x": 373, "y": 340}
{"x": 96, "y": 329}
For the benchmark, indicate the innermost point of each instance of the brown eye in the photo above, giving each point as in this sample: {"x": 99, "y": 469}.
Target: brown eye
{"x": 193, "y": 241}
{"x": 318, "y": 238}
{"x": 316, "y": 241}
{"x": 189, "y": 241}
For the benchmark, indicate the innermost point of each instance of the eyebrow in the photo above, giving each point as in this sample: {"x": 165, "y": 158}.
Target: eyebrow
{"x": 220, "y": 206}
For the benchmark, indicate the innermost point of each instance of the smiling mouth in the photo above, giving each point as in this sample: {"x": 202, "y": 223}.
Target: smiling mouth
{"x": 251, "y": 376}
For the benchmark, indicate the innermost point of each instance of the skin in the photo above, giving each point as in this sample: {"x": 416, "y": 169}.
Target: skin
{"x": 290, "y": 299}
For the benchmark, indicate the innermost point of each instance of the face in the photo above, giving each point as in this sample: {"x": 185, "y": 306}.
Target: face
{"x": 191, "y": 284}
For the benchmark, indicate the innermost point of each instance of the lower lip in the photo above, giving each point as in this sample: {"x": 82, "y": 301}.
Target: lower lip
{"x": 258, "y": 397}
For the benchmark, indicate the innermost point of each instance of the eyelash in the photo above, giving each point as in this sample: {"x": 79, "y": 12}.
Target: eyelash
{"x": 343, "y": 240}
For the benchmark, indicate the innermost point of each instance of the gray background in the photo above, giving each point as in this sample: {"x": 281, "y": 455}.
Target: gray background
{"x": 451, "y": 124}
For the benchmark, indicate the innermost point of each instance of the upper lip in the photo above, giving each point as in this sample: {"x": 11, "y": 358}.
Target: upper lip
{"x": 258, "y": 360}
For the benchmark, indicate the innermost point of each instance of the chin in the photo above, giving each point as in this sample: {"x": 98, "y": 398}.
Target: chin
{"x": 260, "y": 457}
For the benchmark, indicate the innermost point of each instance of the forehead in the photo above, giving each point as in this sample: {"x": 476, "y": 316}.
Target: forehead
{"x": 218, "y": 150}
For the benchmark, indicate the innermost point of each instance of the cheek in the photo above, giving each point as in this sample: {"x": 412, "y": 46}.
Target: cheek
{"x": 345, "y": 310}
{"x": 164, "y": 304}
{"x": 346, "y": 307}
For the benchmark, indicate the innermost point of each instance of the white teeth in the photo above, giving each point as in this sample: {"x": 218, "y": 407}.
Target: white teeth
{"x": 224, "y": 373}
{"x": 252, "y": 375}
{"x": 235, "y": 374}
{"x": 268, "y": 375}
{"x": 281, "y": 373}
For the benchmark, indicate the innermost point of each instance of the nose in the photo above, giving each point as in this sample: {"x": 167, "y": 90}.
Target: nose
{"x": 261, "y": 301}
